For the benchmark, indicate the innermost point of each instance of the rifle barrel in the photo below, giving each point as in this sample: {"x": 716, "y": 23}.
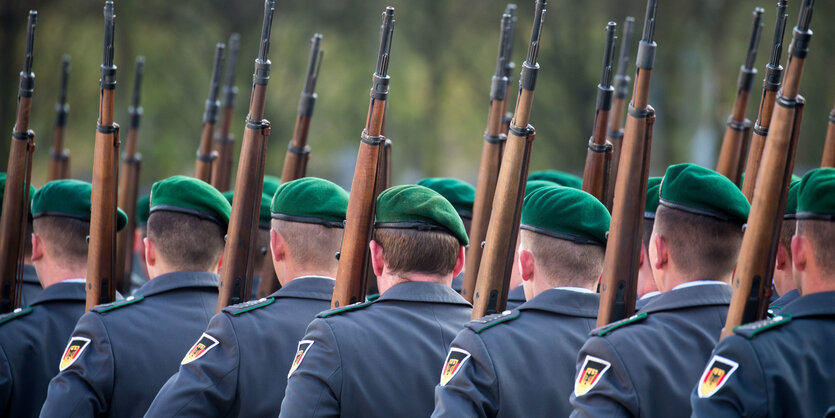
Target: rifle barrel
{"x": 298, "y": 152}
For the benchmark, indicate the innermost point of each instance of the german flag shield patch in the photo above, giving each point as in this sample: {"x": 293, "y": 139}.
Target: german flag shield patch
{"x": 590, "y": 374}
{"x": 200, "y": 348}
{"x": 716, "y": 374}
{"x": 74, "y": 349}
{"x": 454, "y": 360}
{"x": 304, "y": 345}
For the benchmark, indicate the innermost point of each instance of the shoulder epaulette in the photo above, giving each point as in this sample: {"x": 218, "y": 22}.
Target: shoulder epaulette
{"x": 481, "y": 324}
{"x": 248, "y": 306}
{"x": 599, "y": 332}
{"x": 117, "y": 304}
{"x": 346, "y": 308}
{"x": 17, "y": 313}
{"x": 754, "y": 328}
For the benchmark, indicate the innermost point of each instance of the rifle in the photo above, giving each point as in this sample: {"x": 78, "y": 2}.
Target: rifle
{"x": 491, "y": 159}
{"x": 755, "y": 265}
{"x": 205, "y": 156}
{"x": 101, "y": 261}
{"x": 382, "y": 183}
{"x": 350, "y": 275}
{"x": 240, "y": 251}
{"x": 295, "y": 161}
{"x": 224, "y": 141}
{"x": 129, "y": 186}
{"x": 497, "y": 259}
{"x": 771, "y": 84}
{"x": 615, "y": 133}
{"x": 509, "y": 68}
{"x": 16, "y": 197}
{"x": 59, "y": 157}
{"x": 738, "y": 127}
{"x": 599, "y": 155}
{"x": 620, "y": 265}
{"x": 828, "y": 159}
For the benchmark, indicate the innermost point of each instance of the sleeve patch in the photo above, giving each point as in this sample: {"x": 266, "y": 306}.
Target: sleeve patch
{"x": 454, "y": 361}
{"x": 590, "y": 374}
{"x": 73, "y": 351}
{"x": 716, "y": 374}
{"x": 200, "y": 348}
{"x": 304, "y": 345}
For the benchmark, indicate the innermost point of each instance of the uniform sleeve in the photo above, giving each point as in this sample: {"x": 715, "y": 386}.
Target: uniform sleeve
{"x": 469, "y": 387}
{"x": 604, "y": 388}
{"x": 315, "y": 381}
{"x": 733, "y": 383}
{"x": 207, "y": 385}
{"x": 85, "y": 386}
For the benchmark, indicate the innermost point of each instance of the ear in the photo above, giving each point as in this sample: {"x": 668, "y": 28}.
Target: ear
{"x": 220, "y": 262}
{"x": 278, "y": 246}
{"x": 459, "y": 263}
{"x": 659, "y": 252}
{"x": 150, "y": 252}
{"x": 642, "y": 258}
{"x": 783, "y": 261}
{"x": 37, "y": 247}
{"x": 526, "y": 264}
{"x": 801, "y": 252}
{"x": 378, "y": 261}
{"x": 138, "y": 244}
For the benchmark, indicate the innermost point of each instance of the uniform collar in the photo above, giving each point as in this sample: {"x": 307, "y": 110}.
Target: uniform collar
{"x": 423, "y": 292}
{"x": 815, "y": 304}
{"x": 307, "y": 287}
{"x": 517, "y": 294}
{"x": 649, "y": 295}
{"x": 177, "y": 280}
{"x": 689, "y": 297}
{"x": 29, "y": 274}
{"x": 62, "y": 291}
{"x": 785, "y": 298}
{"x": 565, "y": 302}
{"x": 698, "y": 283}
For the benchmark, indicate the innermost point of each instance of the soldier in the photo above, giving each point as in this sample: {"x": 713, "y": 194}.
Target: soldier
{"x": 381, "y": 357}
{"x": 645, "y": 365}
{"x": 646, "y": 284}
{"x": 563, "y": 237}
{"x": 121, "y": 353}
{"x": 783, "y": 366}
{"x": 31, "y": 285}
{"x": 139, "y": 275}
{"x": 784, "y": 280}
{"x": 33, "y": 337}
{"x": 242, "y": 370}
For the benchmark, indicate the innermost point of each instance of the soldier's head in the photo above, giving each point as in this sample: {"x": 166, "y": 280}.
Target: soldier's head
{"x": 646, "y": 283}
{"x": 307, "y": 226}
{"x": 562, "y": 239}
{"x": 186, "y": 226}
{"x": 784, "y": 280}
{"x": 814, "y": 243}
{"x": 698, "y": 227}
{"x": 458, "y": 192}
{"x": 61, "y": 212}
{"x": 418, "y": 236}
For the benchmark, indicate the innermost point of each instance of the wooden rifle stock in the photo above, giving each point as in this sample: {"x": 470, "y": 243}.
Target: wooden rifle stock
{"x": 240, "y": 251}
{"x": 205, "y": 156}
{"x": 382, "y": 183}
{"x": 620, "y": 266}
{"x": 497, "y": 258}
{"x": 755, "y": 265}
{"x": 350, "y": 283}
{"x": 224, "y": 141}
{"x": 615, "y": 129}
{"x": 828, "y": 159}
{"x": 59, "y": 157}
{"x": 599, "y": 155}
{"x": 298, "y": 152}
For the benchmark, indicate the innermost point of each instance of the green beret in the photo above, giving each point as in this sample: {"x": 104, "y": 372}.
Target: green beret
{"x": 271, "y": 184}
{"x": 416, "y": 207}
{"x": 534, "y": 185}
{"x": 310, "y": 200}
{"x": 554, "y": 176}
{"x": 653, "y": 184}
{"x": 190, "y": 196}
{"x": 460, "y": 193}
{"x": 3, "y": 192}
{"x": 791, "y": 199}
{"x": 816, "y": 195}
{"x": 263, "y": 214}
{"x": 566, "y": 213}
{"x": 69, "y": 199}
{"x": 228, "y": 196}
{"x": 702, "y": 191}
{"x": 143, "y": 209}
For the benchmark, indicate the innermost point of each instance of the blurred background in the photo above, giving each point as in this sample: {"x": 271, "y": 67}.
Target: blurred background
{"x": 444, "y": 54}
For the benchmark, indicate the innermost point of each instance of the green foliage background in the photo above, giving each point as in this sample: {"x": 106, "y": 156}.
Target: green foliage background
{"x": 443, "y": 56}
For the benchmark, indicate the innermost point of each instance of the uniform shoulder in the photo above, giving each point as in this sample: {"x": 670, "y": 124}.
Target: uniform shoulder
{"x": 346, "y": 308}
{"x": 754, "y": 328}
{"x": 606, "y": 329}
{"x": 17, "y": 313}
{"x": 248, "y": 306}
{"x": 482, "y": 324}
{"x": 107, "y": 307}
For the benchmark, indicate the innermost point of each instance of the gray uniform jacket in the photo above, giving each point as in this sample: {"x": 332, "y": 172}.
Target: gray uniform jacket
{"x": 458, "y": 282}
{"x": 31, "y": 343}
{"x": 121, "y": 353}
{"x": 31, "y": 285}
{"x": 647, "y": 365}
{"x": 520, "y": 363}
{"x": 516, "y": 297}
{"x": 376, "y": 359}
{"x": 775, "y": 307}
{"x": 245, "y": 373}
{"x": 779, "y": 367}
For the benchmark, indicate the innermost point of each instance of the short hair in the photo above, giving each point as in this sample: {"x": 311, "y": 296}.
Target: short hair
{"x": 562, "y": 262}
{"x": 821, "y": 234}
{"x": 186, "y": 242}
{"x": 310, "y": 244}
{"x": 787, "y": 229}
{"x": 66, "y": 237}
{"x": 414, "y": 251}
{"x": 703, "y": 247}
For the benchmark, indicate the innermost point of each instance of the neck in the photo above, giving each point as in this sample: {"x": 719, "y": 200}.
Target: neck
{"x": 389, "y": 279}
{"x": 291, "y": 271}
{"x": 50, "y": 273}
{"x": 674, "y": 278}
